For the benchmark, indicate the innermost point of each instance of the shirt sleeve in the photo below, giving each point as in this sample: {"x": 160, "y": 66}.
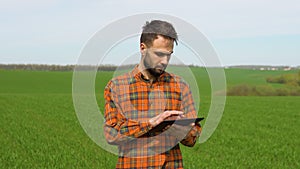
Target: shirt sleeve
{"x": 117, "y": 128}
{"x": 192, "y": 136}
{"x": 190, "y": 112}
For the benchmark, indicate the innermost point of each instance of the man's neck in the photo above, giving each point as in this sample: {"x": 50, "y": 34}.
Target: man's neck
{"x": 146, "y": 74}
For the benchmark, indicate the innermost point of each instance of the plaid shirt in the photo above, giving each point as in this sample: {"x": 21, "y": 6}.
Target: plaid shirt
{"x": 130, "y": 101}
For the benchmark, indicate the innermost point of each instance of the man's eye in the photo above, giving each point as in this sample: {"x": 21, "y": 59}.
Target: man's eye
{"x": 160, "y": 54}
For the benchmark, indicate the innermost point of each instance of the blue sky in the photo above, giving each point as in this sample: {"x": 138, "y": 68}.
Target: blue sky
{"x": 242, "y": 32}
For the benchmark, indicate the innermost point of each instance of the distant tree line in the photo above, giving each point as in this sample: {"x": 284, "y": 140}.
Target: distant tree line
{"x": 45, "y": 67}
{"x": 288, "y": 79}
{"x": 262, "y": 90}
{"x": 36, "y": 67}
{"x": 264, "y": 67}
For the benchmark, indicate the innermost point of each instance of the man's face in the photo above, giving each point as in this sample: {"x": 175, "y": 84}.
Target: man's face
{"x": 157, "y": 56}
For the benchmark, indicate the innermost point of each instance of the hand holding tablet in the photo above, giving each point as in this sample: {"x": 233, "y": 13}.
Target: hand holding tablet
{"x": 182, "y": 122}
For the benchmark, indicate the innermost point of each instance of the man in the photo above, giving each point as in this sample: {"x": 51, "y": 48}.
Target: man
{"x": 138, "y": 101}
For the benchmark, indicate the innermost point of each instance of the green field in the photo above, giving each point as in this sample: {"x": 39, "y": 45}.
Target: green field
{"x": 39, "y": 127}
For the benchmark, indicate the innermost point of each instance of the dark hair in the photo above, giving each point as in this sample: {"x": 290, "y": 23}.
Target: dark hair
{"x": 157, "y": 27}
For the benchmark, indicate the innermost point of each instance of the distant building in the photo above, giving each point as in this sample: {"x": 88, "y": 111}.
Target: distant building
{"x": 265, "y": 67}
{"x": 274, "y": 68}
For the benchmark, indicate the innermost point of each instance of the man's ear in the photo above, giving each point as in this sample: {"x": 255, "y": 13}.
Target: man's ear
{"x": 143, "y": 48}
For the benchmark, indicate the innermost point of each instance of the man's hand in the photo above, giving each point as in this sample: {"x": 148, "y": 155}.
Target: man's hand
{"x": 161, "y": 117}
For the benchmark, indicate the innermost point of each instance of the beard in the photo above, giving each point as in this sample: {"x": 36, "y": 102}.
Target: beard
{"x": 154, "y": 71}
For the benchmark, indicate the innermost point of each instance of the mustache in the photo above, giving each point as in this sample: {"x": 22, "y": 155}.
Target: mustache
{"x": 160, "y": 67}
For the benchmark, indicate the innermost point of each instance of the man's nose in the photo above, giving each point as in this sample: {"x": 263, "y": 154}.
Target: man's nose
{"x": 164, "y": 60}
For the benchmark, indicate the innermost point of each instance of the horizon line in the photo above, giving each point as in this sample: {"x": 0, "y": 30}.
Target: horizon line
{"x": 233, "y": 65}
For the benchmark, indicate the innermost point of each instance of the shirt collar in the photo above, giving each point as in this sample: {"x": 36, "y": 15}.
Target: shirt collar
{"x": 138, "y": 74}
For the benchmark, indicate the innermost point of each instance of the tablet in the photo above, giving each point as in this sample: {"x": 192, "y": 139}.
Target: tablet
{"x": 182, "y": 122}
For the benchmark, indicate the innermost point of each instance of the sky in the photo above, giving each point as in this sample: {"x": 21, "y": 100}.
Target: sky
{"x": 242, "y": 32}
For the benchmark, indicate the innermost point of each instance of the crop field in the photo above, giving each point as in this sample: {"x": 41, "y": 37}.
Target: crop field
{"x": 39, "y": 127}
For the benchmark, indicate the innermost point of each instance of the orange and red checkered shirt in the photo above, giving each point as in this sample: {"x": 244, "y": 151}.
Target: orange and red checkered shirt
{"x": 130, "y": 101}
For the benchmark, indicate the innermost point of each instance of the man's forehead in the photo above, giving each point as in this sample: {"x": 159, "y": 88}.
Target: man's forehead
{"x": 163, "y": 45}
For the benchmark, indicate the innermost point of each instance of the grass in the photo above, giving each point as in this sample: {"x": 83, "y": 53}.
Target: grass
{"x": 42, "y": 131}
{"x": 255, "y": 132}
{"x": 39, "y": 127}
{"x": 253, "y": 77}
